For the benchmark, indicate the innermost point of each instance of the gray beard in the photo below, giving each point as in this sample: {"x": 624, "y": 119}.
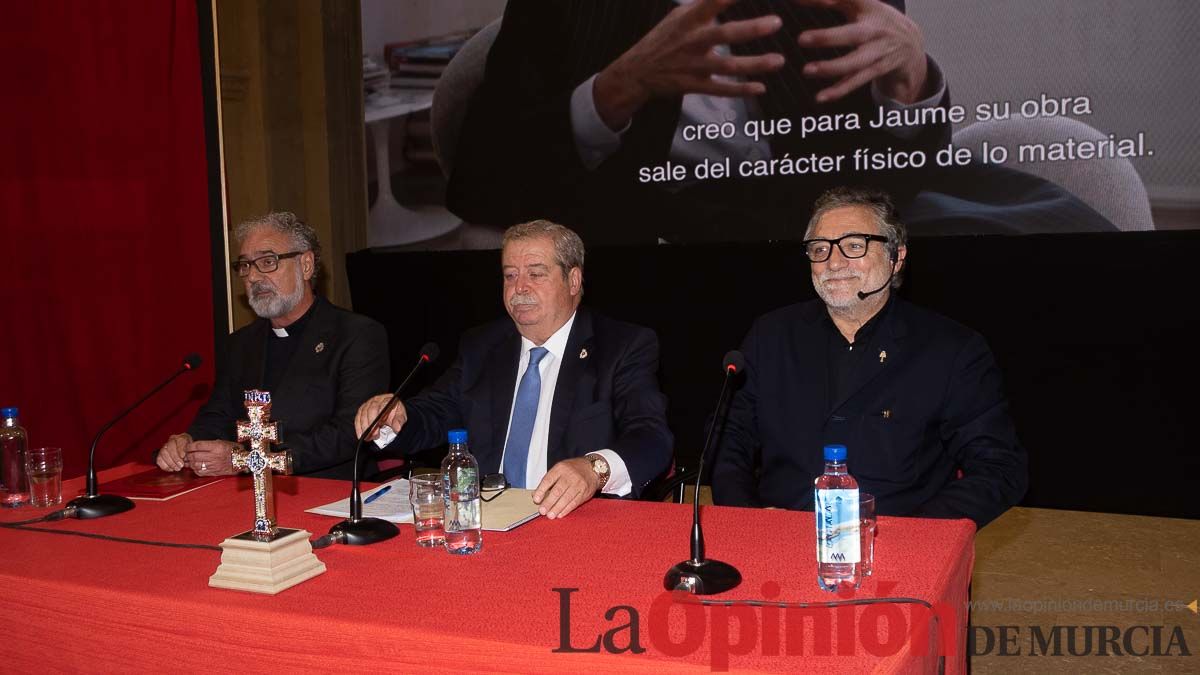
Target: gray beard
{"x": 276, "y": 305}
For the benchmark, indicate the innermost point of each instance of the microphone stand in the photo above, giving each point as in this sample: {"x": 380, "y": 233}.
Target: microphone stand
{"x": 356, "y": 530}
{"x": 93, "y": 504}
{"x": 698, "y": 575}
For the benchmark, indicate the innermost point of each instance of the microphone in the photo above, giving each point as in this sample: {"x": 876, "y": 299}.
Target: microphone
{"x": 698, "y": 575}
{"x": 93, "y": 504}
{"x": 356, "y": 530}
{"x": 864, "y": 296}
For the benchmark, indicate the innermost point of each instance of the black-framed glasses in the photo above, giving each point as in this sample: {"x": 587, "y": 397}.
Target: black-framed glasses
{"x": 266, "y": 264}
{"x": 493, "y": 485}
{"x": 851, "y": 246}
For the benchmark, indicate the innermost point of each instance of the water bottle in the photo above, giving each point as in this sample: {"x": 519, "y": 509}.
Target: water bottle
{"x": 460, "y": 490}
{"x": 836, "y": 503}
{"x": 13, "y": 445}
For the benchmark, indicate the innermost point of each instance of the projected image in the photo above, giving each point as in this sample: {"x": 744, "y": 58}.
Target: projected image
{"x": 644, "y": 121}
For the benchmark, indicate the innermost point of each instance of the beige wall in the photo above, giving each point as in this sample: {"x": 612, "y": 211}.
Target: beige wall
{"x": 291, "y": 108}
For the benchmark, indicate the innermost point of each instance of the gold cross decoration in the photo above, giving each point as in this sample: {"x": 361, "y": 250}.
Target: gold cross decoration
{"x": 260, "y": 461}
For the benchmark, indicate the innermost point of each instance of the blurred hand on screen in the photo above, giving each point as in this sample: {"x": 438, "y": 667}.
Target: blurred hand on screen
{"x": 677, "y": 57}
{"x": 885, "y": 46}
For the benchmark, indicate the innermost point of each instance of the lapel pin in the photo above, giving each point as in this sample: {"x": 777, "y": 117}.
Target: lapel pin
{"x": 319, "y": 348}
{"x": 882, "y": 356}
{"x": 887, "y": 413}
{"x": 583, "y": 353}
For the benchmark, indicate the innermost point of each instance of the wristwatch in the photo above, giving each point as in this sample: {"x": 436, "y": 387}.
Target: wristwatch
{"x": 600, "y": 466}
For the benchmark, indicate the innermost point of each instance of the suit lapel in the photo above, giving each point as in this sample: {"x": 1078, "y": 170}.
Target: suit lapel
{"x": 256, "y": 357}
{"x": 317, "y": 344}
{"x": 576, "y": 363}
{"x": 881, "y": 350}
{"x": 808, "y": 337}
{"x": 502, "y": 366}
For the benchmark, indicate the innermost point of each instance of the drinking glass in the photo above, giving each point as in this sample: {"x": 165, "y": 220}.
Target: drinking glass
{"x": 44, "y": 468}
{"x": 425, "y": 495}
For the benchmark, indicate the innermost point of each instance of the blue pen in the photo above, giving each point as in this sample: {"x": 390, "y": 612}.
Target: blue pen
{"x": 377, "y": 495}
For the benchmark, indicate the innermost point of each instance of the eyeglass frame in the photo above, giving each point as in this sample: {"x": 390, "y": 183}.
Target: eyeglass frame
{"x": 499, "y": 491}
{"x": 868, "y": 238}
{"x": 236, "y": 264}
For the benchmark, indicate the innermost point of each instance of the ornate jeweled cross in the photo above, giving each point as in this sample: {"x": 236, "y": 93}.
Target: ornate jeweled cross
{"x": 260, "y": 461}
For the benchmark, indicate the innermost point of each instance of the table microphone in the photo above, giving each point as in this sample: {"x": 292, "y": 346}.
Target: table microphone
{"x": 94, "y": 505}
{"x": 356, "y": 530}
{"x": 698, "y": 575}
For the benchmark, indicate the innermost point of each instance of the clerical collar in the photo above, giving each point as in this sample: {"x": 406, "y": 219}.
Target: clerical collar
{"x": 296, "y": 327}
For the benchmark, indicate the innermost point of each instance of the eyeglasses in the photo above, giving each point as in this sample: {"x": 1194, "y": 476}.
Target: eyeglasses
{"x": 492, "y": 483}
{"x": 265, "y": 264}
{"x": 851, "y": 246}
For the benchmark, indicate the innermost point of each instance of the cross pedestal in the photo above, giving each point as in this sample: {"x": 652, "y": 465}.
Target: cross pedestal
{"x": 266, "y": 558}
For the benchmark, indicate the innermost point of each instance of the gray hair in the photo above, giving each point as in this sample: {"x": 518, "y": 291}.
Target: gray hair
{"x": 301, "y": 234}
{"x": 568, "y": 247}
{"x": 880, "y": 205}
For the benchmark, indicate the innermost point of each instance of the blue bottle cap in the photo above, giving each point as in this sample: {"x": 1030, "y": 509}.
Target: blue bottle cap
{"x": 458, "y": 436}
{"x": 835, "y": 453}
{"x": 10, "y": 411}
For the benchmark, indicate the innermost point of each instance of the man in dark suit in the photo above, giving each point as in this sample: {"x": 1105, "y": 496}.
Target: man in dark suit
{"x": 558, "y": 398}
{"x": 580, "y": 95}
{"x": 318, "y": 361}
{"x": 916, "y": 398}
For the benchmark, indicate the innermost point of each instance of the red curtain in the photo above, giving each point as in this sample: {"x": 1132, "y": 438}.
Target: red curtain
{"x": 105, "y": 265}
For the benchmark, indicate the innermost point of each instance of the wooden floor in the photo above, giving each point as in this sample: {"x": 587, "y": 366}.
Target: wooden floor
{"x": 1045, "y": 568}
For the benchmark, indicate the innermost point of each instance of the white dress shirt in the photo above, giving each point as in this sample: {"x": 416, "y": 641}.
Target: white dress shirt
{"x": 619, "y": 483}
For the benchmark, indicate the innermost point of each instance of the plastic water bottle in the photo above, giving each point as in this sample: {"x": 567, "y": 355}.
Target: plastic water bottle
{"x": 836, "y": 503}
{"x": 13, "y": 444}
{"x": 460, "y": 487}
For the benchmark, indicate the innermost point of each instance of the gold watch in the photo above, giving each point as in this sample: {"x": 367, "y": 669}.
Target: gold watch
{"x": 600, "y": 466}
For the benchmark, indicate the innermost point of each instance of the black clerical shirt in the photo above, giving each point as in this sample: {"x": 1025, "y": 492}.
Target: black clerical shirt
{"x": 842, "y": 357}
{"x": 281, "y": 349}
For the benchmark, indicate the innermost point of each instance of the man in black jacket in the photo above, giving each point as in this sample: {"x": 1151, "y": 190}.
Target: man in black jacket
{"x": 318, "y": 361}
{"x": 916, "y": 398}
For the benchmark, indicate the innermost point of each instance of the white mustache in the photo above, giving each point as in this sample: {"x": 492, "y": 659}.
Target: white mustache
{"x": 838, "y": 277}
{"x": 262, "y": 287}
{"x": 522, "y": 299}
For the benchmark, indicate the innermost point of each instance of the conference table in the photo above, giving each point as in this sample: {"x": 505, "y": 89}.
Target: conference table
{"x": 583, "y": 593}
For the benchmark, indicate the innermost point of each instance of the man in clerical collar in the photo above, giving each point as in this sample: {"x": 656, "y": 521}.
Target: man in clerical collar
{"x": 318, "y": 361}
{"x": 560, "y": 399}
{"x": 916, "y": 398}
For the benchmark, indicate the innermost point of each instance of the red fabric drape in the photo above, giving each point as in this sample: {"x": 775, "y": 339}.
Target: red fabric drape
{"x": 105, "y": 267}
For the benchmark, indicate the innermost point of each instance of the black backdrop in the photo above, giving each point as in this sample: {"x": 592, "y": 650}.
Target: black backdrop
{"x": 1096, "y": 334}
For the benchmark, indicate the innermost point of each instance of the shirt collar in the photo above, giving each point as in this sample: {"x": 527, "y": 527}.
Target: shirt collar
{"x": 296, "y": 327}
{"x": 866, "y": 330}
{"x": 557, "y": 344}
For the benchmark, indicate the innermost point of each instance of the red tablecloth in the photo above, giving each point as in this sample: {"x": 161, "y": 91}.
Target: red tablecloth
{"x": 85, "y": 604}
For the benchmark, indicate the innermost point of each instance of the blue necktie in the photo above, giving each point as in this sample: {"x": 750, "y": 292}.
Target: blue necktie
{"x": 520, "y": 430}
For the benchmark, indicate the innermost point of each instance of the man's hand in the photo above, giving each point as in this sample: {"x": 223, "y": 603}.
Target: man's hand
{"x": 367, "y": 412}
{"x": 565, "y": 486}
{"x": 211, "y": 458}
{"x": 677, "y": 57}
{"x": 171, "y": 454}
{"x": 886, "y": 46}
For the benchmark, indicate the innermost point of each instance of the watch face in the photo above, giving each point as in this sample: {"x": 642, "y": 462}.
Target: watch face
{"x": 600, "y": 465}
